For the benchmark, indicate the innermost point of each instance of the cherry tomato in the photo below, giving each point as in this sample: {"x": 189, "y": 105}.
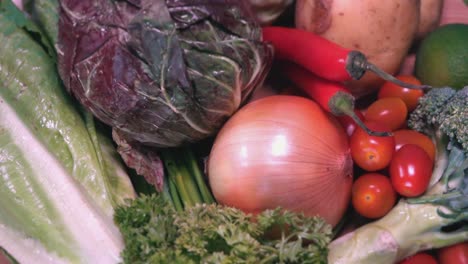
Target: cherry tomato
{"x": 348, "y": 123}
{"x": 410, "y": 170}
{"x": 409, "y": 96}
{"x": 391, "y": 111}
{"x": 408, "y": 136}
{"x": 373, "y": 195}
{"x": 371, "y": 153}
{"x": 419, "y": 258}
{"x": 3, "y": 258}
{"x": 456, "y": 254}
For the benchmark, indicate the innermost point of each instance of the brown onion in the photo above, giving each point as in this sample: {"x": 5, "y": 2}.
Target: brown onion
{"x": 282, "y": 151}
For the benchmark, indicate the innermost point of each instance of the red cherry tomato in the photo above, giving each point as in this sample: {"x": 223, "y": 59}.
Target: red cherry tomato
{"x": 456, "y": 254}
{"x": 419, "y": 258}
{"x": 410, "y": 170}
{"x": 3, "y": 258}
{"x": 373, "y": 195}
{"x": 409, "y": 96}
{"x": 371, "y": 153}
{"x": 390, "y": 111}
{"x": 408, "y": 136}
{"x": 348, "y": 123}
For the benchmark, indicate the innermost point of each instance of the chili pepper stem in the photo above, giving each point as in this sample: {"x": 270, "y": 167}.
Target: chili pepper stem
{"x": 358, "y": 64}
{"x": 326, "y": 59}
{"x": 343, "y": 104}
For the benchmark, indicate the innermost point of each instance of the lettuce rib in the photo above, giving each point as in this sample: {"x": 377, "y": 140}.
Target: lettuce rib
{"x": 60, "y": 177}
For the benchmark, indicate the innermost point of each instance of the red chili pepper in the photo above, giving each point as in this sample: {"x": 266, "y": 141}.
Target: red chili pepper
{"x": 322, "y": 56}
{"x": 331, "y": 96}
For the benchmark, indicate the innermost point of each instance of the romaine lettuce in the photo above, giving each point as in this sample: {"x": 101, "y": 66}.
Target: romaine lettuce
{"x": 60, "y": 177}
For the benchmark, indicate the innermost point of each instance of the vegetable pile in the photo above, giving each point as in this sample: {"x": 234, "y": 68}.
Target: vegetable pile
{"x": 136, "y": 132}
{"x": 284, "y": 166}
{"x": 434, "y": 213}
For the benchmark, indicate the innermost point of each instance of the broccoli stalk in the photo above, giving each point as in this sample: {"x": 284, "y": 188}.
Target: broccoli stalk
{"x": 436, "y": 219}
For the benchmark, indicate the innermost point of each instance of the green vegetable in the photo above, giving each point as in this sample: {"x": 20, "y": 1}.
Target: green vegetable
{"x": 154, "y": 232}
{"x": 438, "y": 218}
{"x": 184, "y": 184}
{"x": 442, "y": 114}
{"x": 60, "y": 177}
{"x": 45, "y": 14}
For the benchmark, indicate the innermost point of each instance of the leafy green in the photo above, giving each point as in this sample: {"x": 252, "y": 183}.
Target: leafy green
{"x": 179, "y": 68}
{"x": 45, "y": 14}
{"x": 60, "y": 176}
{"x": 18, "y": 20}
{"x": 154, "y": 232}
{"x": 31, "y": 85}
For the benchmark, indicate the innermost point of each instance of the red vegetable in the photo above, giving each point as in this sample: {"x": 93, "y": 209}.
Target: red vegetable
{"x": 373, "y": 195}
{"x": 410, "y": 170}
{"x": 391, "y": 111}
{"x": 348, "y": 123}
{"x": 282, "y": 151}
{"x": 409, "y": 96}
{"x": 323, "y": 57}
{"x": 408, "y": 136}
{"x": 419, "y": 258}
{"x": 455, "y": 254}
{"x": 369, "y": 152}
{"x": 331, "y": 96}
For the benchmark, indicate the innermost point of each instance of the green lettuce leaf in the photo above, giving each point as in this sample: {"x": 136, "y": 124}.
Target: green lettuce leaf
{"x": 60, "y": 177}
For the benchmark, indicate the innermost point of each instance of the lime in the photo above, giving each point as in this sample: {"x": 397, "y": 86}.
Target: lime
{"x": 442, "y": 57}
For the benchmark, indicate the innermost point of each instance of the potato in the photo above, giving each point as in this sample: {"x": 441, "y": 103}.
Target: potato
{"x": 382, "y": 30}
{"x": 430, "y": 13}
{"x": 454, "y": 11}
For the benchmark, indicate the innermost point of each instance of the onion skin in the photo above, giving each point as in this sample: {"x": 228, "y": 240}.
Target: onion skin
{"x": 282, "y": 151}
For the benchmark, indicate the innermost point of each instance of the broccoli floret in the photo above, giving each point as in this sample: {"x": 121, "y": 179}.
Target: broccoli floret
{"x": 443, "y": 109}
{"x": 442, "y": 114}
{"x": 425, "y": 118}
{"x": 439, "y": 217}
{"x": 454, "y": 121}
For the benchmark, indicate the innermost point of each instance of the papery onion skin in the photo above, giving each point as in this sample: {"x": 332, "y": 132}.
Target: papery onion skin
{"x": 282, "y": 151}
